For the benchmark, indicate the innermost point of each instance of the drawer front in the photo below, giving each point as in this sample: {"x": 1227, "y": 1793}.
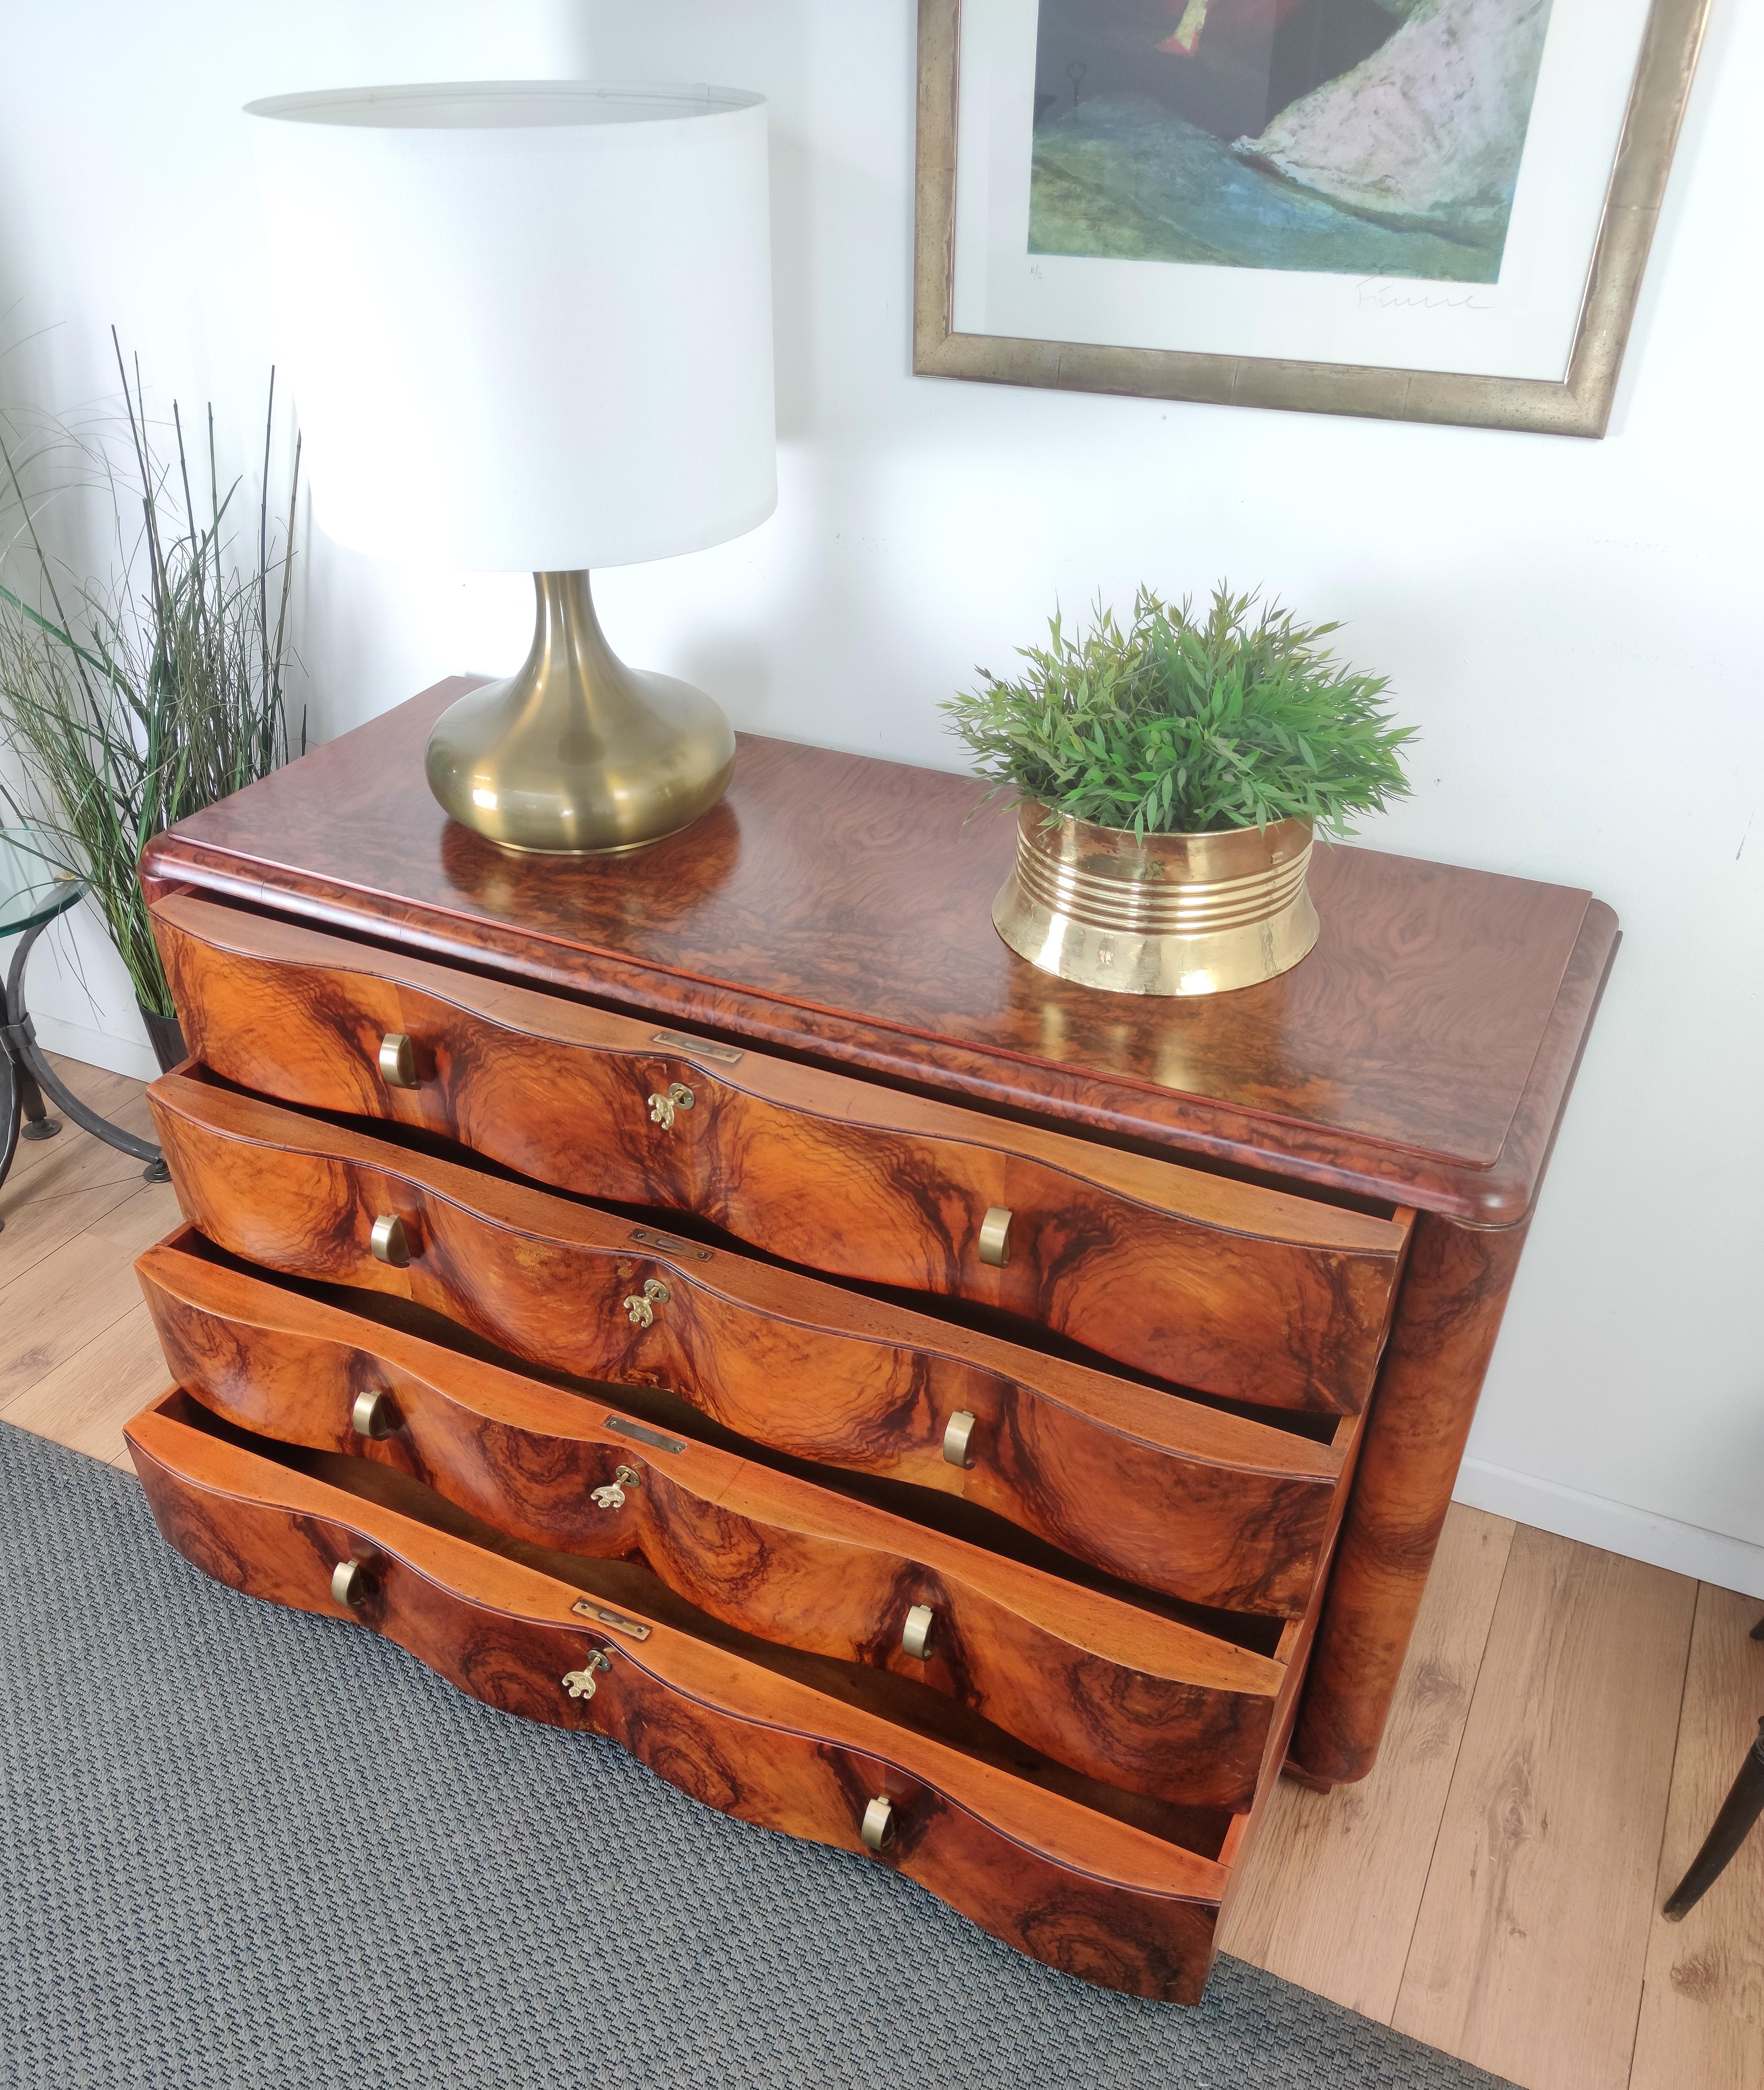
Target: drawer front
{"x": 1137, "y": 1700}
{"x": 1097, "y": 1897}
{"x": 1229, "y": 1288}
{"x": 1198, "y": 1504}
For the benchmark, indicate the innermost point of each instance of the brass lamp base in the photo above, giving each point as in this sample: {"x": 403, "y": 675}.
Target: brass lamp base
{"x": 577, "y": 754}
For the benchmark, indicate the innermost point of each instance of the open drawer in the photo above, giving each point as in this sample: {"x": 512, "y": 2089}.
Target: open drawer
{"x": 1114, "y": 1690}
{"x": 1114, "y": 1888}
{"x": 1238, "y": 1290}
{"x": 1195, "y": 1502}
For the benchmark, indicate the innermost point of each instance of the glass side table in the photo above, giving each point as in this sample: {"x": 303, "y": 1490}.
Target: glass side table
{"x": 33, "y": 893}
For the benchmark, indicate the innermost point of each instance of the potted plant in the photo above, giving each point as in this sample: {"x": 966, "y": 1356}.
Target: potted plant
{"x": 1169, "y": 780}
{"x": 129, "y": 703}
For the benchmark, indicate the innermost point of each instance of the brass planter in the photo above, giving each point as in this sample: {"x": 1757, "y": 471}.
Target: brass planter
{"x": 1173, "y": 915}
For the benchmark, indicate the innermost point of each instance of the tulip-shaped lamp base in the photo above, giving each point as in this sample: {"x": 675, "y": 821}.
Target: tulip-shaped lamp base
{"x": 577, "y": 754}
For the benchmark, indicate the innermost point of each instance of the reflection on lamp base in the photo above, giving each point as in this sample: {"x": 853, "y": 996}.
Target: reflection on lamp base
{"x": 577, "y": 754}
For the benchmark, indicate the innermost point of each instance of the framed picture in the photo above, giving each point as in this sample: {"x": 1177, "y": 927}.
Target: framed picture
{"x": 1426, "y": 210}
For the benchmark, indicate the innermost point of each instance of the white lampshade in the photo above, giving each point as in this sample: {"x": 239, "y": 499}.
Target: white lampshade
{"x": 527, "y": 324}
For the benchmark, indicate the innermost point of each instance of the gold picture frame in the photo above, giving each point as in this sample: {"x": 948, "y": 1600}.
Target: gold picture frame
{"x": 1579, "y": 406}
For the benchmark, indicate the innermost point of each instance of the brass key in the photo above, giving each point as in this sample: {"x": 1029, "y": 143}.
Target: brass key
{"x": 662, "y": 1108}
{"x": 579, "y": 1683}
{"x": 640, "y": 1308}
{"x": 612, "y": 1496}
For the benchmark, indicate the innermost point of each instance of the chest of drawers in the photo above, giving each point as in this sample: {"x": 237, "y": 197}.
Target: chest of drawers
{"x": 722, "y": 1299}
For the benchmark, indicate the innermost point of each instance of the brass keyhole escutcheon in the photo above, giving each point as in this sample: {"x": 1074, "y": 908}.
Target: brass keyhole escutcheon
{"x": 661, "y": 1108}
{"x": 995, "y": 1236}
{"x": 878, "y": 1822}
{"x": 390, "y": 1242}
{"x": 397, "y": 1061}
{"x": 579, "y": 1683}
{"x": 612, "y": 1496}
{"x": 373, "y": 1414}
{"x": 641, "y": 1307}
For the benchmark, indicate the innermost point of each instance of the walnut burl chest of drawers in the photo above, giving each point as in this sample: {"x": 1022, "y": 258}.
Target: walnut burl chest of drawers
{"x": 722, "y": 1300}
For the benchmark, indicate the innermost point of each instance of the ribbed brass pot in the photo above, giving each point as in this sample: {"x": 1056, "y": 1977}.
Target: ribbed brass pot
{"x": 1172, "y": 914}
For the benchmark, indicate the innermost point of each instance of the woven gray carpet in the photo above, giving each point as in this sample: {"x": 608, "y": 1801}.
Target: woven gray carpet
{"x": 242, "y": 1846}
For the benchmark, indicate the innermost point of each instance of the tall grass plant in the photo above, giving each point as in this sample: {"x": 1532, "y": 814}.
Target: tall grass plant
{"x": 131, "y": 701}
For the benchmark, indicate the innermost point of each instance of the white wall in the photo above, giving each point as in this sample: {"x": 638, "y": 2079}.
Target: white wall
{"x": 1571, "y": 624}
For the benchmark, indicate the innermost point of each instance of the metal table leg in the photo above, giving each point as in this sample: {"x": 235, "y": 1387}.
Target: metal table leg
{"x": 11, "y": 1099}
{"x": 1738, "y": 1812}
{"x": 29, "y": 1077}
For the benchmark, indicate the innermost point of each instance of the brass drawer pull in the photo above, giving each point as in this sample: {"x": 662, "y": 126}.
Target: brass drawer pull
{"x": 373, "y": 1414}
{"x": 662, "y": 1108}
{"x": 958, "y": 1439}
{"x": 915, "y": 1634}
{"x": 389, "y": 1240}
{"x": 579, "y": 1683}
{"x": 612, "y": 1496}
{"x": 995, "y": 1236}
{"x": 878, "y": 1822}
{"x": 640, "y": 1308}
{"x": 349, "y": 1584}
{"x": 397, "y": 1061}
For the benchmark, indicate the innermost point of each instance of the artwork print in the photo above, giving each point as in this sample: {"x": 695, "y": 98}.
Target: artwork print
{"x": 1351, "y": 137}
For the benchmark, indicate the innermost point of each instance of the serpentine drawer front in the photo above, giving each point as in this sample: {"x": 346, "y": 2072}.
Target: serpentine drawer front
{"x": 1113, "y": 1899}
{"x": 1227, "y": 1287}
{"x": 1211, "y": 1507}
{"x": 1149, "y": 1703}
{"x": 722, "y": 1298}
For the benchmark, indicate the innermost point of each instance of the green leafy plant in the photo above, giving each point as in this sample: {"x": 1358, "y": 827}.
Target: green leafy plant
{"x": 133, "y": 702}
{"x": 1184, "y": 725}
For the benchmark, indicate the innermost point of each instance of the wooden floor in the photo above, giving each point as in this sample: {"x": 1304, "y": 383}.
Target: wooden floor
{"x": 1566, "y": 1726}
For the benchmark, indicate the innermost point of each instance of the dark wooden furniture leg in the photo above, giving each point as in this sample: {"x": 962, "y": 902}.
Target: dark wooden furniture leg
{"x": 1448, "y": 1316}
{"x": 1738, "y": 1811}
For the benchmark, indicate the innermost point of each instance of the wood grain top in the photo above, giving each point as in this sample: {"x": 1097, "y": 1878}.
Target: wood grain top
{"x": 840, "y": 906}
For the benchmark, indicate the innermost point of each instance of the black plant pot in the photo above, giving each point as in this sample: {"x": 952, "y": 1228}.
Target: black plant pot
{"x": 165, "y": 1033}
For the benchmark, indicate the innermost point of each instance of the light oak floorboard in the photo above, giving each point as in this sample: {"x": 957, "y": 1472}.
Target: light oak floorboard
{"x": 1702, "y": 1999}
{"x": 72, "y": 1190}
{"x": 1336, "y": 1882}
{"x": 1528, "y": 1950}
{"x": 84, "y": 1402}
{"x": 114, "y": 1096}
{"x": 56, "y": 1307}
{"x": 140, "y": 1221}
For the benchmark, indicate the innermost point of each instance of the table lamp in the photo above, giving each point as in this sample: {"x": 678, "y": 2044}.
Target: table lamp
{"x": 528, "y": 327}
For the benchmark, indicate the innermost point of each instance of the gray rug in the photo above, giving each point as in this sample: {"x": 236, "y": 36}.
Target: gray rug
{"x": 242, "y": 1846}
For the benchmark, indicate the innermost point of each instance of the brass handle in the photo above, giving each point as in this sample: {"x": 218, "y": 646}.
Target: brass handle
{"x": 915, "y": 1634}
{"x": 349, "y": 1584}
{"x": 612, "y": 1496}
{"x": 579, "y": 1683}
{"x": 640, "y": 1308}
{"x": 995, "y": 1236}
{"x": 878, "y": 1822}
{"x": 397, "y": 1061}
{"x": 662, "y": 1108}
{"x": 958, "y": 1439}
{"x": 389, "y": 1240}
{"x": 373, "y": 1414}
